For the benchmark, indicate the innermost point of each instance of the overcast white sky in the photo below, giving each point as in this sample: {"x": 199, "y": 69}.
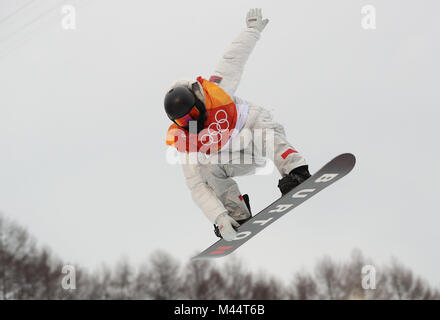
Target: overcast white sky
{"x": 82, "y": 126}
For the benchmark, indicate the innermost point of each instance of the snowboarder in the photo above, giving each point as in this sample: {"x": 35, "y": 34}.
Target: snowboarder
{"x": 209, "y": 121}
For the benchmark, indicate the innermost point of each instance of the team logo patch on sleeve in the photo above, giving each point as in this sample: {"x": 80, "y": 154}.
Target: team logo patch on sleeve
{"x": 215, "y": 79}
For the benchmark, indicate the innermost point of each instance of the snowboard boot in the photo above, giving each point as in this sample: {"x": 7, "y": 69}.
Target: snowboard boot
{"x": 246, "y": 201}
{"x": 293, "y": 179}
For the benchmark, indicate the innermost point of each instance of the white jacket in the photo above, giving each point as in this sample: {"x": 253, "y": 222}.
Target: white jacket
{"x": 229, "y": 71}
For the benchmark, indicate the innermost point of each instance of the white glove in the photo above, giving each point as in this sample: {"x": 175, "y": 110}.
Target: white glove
{"x": 254, "y": 19}
{"x": 225, "y": 225}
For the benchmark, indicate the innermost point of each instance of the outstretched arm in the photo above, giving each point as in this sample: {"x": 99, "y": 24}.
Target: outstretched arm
{"x": 230, "y": 68}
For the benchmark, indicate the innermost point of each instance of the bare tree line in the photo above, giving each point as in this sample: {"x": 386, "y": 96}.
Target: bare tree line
{"x": 29, "y": 272}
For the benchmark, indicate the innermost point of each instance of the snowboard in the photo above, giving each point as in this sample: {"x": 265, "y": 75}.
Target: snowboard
{"x": 327, "y": 175}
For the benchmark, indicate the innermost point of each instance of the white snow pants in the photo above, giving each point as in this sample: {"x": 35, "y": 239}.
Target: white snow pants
{"x": 262, "y": 139}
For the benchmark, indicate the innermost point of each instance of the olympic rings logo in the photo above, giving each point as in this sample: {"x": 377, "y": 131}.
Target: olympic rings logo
{"x": 215, "y": 129}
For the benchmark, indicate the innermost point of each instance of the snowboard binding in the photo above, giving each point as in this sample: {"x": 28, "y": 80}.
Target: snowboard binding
{"x": 293, "y": 179}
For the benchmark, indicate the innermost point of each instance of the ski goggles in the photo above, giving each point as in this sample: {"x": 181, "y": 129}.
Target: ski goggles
{"x": 192, "y": 115}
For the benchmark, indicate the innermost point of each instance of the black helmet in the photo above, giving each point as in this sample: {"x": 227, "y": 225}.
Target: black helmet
{"x": 182, "y": 106}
